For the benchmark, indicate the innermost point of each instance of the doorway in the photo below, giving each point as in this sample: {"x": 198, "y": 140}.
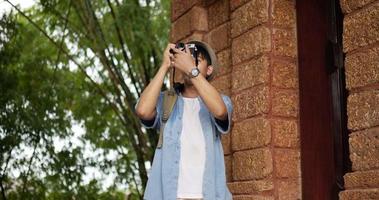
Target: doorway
{"x": 322, "y": 95}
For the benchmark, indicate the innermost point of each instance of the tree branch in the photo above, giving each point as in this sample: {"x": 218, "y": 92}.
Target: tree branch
{"x": 73, "y": 60}
{"x": 122, "y": 44}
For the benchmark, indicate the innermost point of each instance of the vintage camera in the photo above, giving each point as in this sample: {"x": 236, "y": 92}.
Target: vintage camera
{"x": 191, "y": 47}
{"x": 179, "y": 86}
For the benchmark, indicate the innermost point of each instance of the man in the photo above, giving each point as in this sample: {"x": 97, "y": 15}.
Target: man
{"x": 190, "y": 164}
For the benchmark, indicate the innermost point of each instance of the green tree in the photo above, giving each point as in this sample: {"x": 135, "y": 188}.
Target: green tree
{"x": 77, "y": 62}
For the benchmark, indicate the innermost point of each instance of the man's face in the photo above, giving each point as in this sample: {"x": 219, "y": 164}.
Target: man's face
{"x": 204, "y": 70}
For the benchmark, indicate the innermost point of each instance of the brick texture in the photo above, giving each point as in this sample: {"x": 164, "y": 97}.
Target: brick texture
{"x": 284, "y": 43}
{"x": 252, "y": 164}
{"x": 287, "y": 163}
{"x": 225, "y": 61}
{"x": 251, "y": 133}
{"x": 363, "y": 110}
{"x": 289, "y": 189}
{"x": 250, "y": 102}
{"x": 252, "y": 73}
{"x": 364, "y": 148}
{"x": 285, "y": 133}
{"x": 350, "y": 5}
{"x": 222, "y": 83}
{"x": 360, "y": 38}
{"x": 218, "y": 13}
{"x": 366, "y": 194}
{"x": 249, "y": 187}
{"x": 219, "y": 38}
{"x": 284, "y": 13}
{"x": 179, "y": 7}
{"x": 249, "y": 15}
{"x": 361, "y": 28}
{"x": 193, "y": 20}
{"x": 285, "y": 74}
{"x": 362, "y": 179}
{"x": 362, "y": 68}
{"x": 250, "y": 44}
{"x": 285, "y": 103}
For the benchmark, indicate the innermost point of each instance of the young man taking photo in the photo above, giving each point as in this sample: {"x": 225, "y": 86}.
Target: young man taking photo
{"x": 190, "y": 162}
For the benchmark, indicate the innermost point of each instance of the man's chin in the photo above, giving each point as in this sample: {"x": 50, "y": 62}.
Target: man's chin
{"x": 187, "y": 81}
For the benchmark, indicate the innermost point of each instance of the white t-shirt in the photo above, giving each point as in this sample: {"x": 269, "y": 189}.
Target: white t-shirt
{"x": 192, "y": 151}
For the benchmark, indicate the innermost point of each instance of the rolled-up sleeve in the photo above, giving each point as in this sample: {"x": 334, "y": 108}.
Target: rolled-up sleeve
{"x": 223, "y": 126}
{"x": 155, "y": 122}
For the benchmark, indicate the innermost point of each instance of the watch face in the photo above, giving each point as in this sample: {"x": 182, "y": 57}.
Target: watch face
{"x": 195, "y": 72}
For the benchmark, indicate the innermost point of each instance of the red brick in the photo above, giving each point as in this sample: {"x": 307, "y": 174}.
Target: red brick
{"x": 360, "y": 194}
{"x": 218, "y": 13}
{"x": 284, "y": 43}
{"x": 194, "y": 20}
{"x": 363, "y": 110}
{"x": 361, "y": 28}
{"x": 285, "y": 133}
{"x": 179, "y": 7}
{"x": 252, "y": 73}
{"x": 362, "y": 179}
{"x": 225, "y": 140}
{"x": 236, "y": 3}
{"x": 284, "y": 13}
{"x": 224, "y": 58}
{"x": 228, "y": 168}
{"x": 252, "y": 164}
{"x": 289, "y": 189}
{"x": 250, "y": 102}
{"x": 362, "y": 68}
{"x": 285, "y": 74}
{"x": 222, "y": 83}
{"x": 249, "y": 187}
{"x": 351, "y": 5}
{"x": 252, "y": 43}
{"x": 364, "y": 149}
{"x": 251, "y": 133}
{"x": 287, "y": 163}
{"x": 285, "y": 103}
{"x": 249, "y": 15}
{"x": 219, "y": 38}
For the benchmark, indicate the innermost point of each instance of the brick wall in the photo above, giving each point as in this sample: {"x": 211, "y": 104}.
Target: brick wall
{"x": 255, "y": 42}
{"x": 361, "y": 45}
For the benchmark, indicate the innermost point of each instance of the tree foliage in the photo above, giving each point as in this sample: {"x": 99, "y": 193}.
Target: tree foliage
{"x": 70, "y": 74}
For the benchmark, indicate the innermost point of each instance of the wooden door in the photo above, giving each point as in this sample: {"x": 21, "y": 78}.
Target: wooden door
{"x": 322, "y": 95}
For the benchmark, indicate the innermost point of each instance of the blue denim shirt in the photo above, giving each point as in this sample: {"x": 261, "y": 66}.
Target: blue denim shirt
{"x": 163, "y": 175}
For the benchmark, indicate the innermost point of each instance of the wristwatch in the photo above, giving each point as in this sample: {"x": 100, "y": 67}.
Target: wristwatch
{"x": 194, "y": 72}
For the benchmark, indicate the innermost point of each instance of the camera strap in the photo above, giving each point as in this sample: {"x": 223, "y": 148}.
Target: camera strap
{"x": 169, "y": 99}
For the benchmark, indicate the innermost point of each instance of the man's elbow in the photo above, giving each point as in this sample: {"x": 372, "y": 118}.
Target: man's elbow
{"x": 222, "y": 114}
{"x": 144, "y": 114}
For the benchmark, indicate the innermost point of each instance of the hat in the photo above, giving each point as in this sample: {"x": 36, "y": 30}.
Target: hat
{"x": 212, "y": 55}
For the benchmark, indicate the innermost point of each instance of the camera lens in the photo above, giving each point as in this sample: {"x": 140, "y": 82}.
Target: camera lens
{"x": 180, "y": 45}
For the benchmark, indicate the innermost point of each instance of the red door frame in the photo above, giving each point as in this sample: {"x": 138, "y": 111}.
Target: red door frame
{"x": 322, "y": 95}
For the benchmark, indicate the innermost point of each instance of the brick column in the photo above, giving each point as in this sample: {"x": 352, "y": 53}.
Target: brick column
{"x": 255, "y": 41}
{"x": 361, "y": 45}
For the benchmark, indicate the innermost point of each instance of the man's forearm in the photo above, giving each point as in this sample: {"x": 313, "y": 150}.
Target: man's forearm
{"x": 210, "y": 96}
{"x": 149, "y": 97}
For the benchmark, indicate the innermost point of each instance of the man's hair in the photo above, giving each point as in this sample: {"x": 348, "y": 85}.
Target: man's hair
{"x": 203, "y": 53}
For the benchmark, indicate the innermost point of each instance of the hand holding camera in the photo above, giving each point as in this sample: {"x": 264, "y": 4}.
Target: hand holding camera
{"x": 166, "y": 60}
{"x": 183, "y": 57}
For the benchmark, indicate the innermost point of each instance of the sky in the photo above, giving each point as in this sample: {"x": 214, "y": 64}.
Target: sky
{"x": 5, "y": 6}
{"x": 77, "y": 129}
